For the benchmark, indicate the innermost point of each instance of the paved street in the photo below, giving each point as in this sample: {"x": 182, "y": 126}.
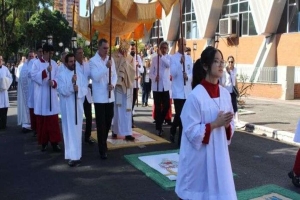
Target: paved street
{"x": 27, "y": 173}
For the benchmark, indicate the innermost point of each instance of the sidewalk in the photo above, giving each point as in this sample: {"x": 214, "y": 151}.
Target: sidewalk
{"x": 272, "y": 118}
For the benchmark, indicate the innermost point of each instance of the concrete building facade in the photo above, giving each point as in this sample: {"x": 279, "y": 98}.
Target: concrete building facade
{"x": 262, "y": 35}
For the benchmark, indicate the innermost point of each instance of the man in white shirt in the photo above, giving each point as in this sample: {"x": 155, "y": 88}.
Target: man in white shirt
{"x": 181, "y": 84}
{"x": 84, "y": 68}
{"x": 104, "y": 105}
{"x": 160, "y": 78}
{"x": 5, "y": 82}
{"x": 138, "y": 63}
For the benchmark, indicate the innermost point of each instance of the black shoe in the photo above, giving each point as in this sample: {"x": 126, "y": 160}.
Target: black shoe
{"x": 114, "y": 136}
{"x": 146, "y": 104}
{"x": 172, "y": 138}
{"x": 89, "y": 141}
{"x": 56, "y": 148}
{"x": 159, "y": 132}
{"x": 44, "y": 147}
{"x": 34, "y": 134}
{"x": 74, "y": 163}
{"x": 129, "y": 138}
{"x": 295, "y": 179}
{"x": 25, "y": 130}
{"x": 103, "y": 156}
{"x": 154, "y": 122}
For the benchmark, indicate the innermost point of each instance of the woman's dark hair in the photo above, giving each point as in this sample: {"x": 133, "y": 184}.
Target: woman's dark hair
{"x": 206, "y": 59}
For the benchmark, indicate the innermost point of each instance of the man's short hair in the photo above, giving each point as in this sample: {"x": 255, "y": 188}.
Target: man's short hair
{"x": 47, "y": 48}
{"x": 69, "y": 55}
{"x": 132, "y": 43}
{"x": 163, "y": 43}
{"x": 63, "y": 54}
{"x": 101, "y": 41}
{"x": 78, "y": 48}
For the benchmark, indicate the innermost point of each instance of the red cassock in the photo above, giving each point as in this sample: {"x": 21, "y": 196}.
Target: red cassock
{"x": 47, "y": 128}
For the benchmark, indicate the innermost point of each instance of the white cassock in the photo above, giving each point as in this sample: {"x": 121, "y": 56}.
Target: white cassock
{"x": 30, "y": 100}
{"x": 5, "y": 82}
{"x": 204, "y": 170}
{"x": 72, "y": 133}
{"x": 41, "y": 88}
{"x": 23, "y": 93}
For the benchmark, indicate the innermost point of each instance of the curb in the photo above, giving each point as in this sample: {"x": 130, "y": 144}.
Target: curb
{"x": 282, "y": 136}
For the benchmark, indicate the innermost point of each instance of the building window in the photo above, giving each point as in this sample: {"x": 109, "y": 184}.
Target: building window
{"x": 293, "y": 16}
{"x": 154, "y": 35}
{"x": 190, "y": 27}
{"x": 240, "y": 9}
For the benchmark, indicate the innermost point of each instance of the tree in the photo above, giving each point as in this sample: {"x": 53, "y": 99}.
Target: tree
{"x": 44, "y": 23}
{"x": 13, "y": 14}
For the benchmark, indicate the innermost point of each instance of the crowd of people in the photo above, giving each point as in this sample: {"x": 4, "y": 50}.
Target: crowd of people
{"x": 202, "y": 93}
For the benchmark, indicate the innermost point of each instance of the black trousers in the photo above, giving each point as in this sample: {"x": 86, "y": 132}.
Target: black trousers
{"x": 178, "y": 104}
{"x": 162, "y": 105}
{"x": 234, "y": 102}
{"x": 104, "y": 114}
{"x": 134, "y": 99}
{"x": 146, "y": 92}
{"x": 3, "y": 117}
{"x": 87, "y": 107}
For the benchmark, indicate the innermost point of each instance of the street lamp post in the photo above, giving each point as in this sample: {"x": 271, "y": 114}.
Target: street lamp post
{"x": 194, "y": 49}
{"x": 43, "y": 42}
{"x": 74, "y": 43}
{"x": 50, "y": 39}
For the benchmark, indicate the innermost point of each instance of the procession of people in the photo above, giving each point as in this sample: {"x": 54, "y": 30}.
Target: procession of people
{"x": 111, "y": 82}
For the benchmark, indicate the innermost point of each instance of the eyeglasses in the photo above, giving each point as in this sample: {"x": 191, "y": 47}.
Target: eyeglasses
{"x": 230, "y": 62}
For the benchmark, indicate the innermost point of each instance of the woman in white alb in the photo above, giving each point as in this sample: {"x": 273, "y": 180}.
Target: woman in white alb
{"x": 204, "y": 171}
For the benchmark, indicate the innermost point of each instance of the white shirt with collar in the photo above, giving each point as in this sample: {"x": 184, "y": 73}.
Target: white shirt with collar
{"x": 228, "y": 79}
{"x": 164, "y": 74}
{"x": 84, "y": 68}
{"x": 99, "y": 75}
{"x": 179, "y": 90}
{"x": 140, "y": 70}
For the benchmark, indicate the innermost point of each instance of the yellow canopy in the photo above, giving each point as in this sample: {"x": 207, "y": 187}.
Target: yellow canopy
{"x": 129, "y": 19}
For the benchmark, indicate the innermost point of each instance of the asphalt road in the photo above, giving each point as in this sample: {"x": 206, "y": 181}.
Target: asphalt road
{"x": 27, "y": 173}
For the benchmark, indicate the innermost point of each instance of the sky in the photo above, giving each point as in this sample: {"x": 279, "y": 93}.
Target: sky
{"x": 96, "y": 2}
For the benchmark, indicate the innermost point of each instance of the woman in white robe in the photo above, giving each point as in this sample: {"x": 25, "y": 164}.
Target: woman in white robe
{"x": 204, "y": 171}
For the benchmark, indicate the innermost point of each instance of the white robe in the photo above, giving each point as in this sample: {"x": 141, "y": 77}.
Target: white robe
{"x": 5, "y": 82}
{"x": 72, "y": 133}
{"x": 23, "y": 95}
{"x": 41, "y": 89}
{"x": 204, "y": 170}
{"x": 122, "y": 121}
{"x": 30, "y": 100}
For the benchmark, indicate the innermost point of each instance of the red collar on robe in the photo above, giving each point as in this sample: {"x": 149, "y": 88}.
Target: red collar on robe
{"x": 212, "y": 89}
{"x": 42, "y": 60}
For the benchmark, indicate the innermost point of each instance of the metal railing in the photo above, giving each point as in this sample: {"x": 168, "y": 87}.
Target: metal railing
{"x": 265, "y": 74}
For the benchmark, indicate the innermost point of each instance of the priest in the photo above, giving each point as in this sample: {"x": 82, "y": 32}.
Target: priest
{"x": 122, "y": 122}
{"x": 23, "y": 93}
{"x": 72, "y": 85}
